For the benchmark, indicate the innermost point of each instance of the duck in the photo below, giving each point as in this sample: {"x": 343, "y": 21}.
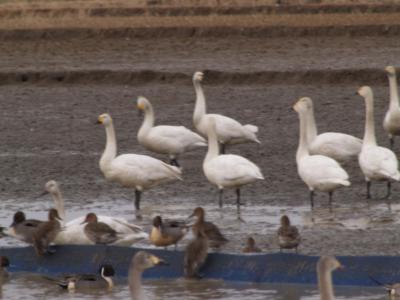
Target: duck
{"x": 227, "y": 170}
{"x": 251, "y": 246}
{"x": 288, "y": 235}
{"x": 4, "y": 263}
{"x": 163, "y": 139}
{"x": 393, "y": 289}
{"x": 99, "y": 232}
{"x": 318, "y": 172}
{"x": 21, "y": 228}
{"x": 136, "y": 171}
{"x": 339, "y": 146}
{"x": 214, "y": 235}
{"x": 103, "y": 280}
{"x": 325, "y": 266}
{"x": 391, "y": 122}
{"x": 229, "y": 131}
{"x": 196, "y": 253}
{"x": 377, "y": 163}
{"x": 46, "y": 232}
{"x": 73, "y": 231}
{"x": 140, "y": 262}
{"x": 164, "y": 233}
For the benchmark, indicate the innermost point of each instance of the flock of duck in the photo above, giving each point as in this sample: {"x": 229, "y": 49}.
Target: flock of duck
{"x": 318, "y": 158}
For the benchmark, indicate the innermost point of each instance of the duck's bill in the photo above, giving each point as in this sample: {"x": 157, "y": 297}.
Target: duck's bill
{"x": 158, "y": 261}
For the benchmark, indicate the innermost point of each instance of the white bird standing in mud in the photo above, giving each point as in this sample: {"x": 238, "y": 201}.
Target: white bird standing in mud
{"x": 339, "y": 146}
{"x": 227, "y": 170}
{"x": 377, "y": 163}
{"x": 171, "y": 140}
{"x": 229, "y": 131}
{"x": 391, "y": 123}
{"x": 140, "y": 172}
{"x": 318, "y": 172}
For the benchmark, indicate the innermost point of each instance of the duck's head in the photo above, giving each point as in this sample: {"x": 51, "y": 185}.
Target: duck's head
{"x": 144, "y": 260}
{"x": 198, "y": 76}
{"x": 53, "y": 215}
{"x": 364, "y": 91}
{"x": 390, "y": 71}
{"x": 198, "y": 212}
{"x": 328, "y": 264}
{"x": 143, "y": 104}
{"x": 18, "y": 218}
{"x": 104, "y": 119}
{"x": 90, "y": 218}
{"x": 302, "y": 105}
{"x": 157, "y": 221}
{"x": 106, "y": 270}
{"x": 251, "y": 242}
{"x": 285, "y": 221}
{"x": 4, "y": 261}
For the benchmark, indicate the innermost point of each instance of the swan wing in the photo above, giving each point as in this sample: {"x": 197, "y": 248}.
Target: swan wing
{"x": 336, "y": 145}
{"x": 380, "y": 161}
{"x": 318, "y": 168}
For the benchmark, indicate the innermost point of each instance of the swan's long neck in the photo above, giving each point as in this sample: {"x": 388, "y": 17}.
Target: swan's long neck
{"x": 148, "y": 121}
{"x": 311, "y": 126}
{"x": 111, "y": 148}
{"x": 394, "y": 94}
{"x": 213, "y": 147}
{"x": 59, "y": 203}
{"x": 325, "y": 285}
{"x": 369, "y": 133}
{"x": 200, "y": 107}
{"x": 302, "y": 149}
{"x": 135, "y": 285}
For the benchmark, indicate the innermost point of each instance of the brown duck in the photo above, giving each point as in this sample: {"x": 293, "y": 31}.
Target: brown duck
{"x": 21, "y": 228}
{"x": 99, "y": 232}
{"x": 251, "y": 246}
{"x": 214, "y": 235}
{"x": 288, "y": 235}
{"x": 46, "y": 232}
{"x": 166, "y": 233}
{"x": 196, "y": 254}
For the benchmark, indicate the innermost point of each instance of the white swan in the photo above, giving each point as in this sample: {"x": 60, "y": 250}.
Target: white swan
{"x": 377, "y": 163}
{"x": 229, "y": 131}
{"x": 73, "y": 231}
{"x": 325, "y": 266}
{"x": 391, "y": 123}
{"x": 140, "y": 172}
{"x": 228, "y": 170}
{"x": 336, "y": 145}
{"x": 171, "y": 140}
{"x": 319, "y": 172}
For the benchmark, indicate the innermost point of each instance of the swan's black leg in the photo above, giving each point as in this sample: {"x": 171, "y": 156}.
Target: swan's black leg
{"x": 312, "y": 199}
{"x": 238, "y": 201}
{"x": 137, "y": 199}
{"x": 368, "y": 189}
{"x": 221, "y": 193}
{"x": 174, "y": 162}
{"x": 389, "y": 190}
{"x": 391, "y": 139}
{"x": 222, "y": 148}
{"x": 330, "y": 201}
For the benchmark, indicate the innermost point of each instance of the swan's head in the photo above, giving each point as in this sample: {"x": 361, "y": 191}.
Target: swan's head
{"x": 301, "y": 105}
{"x": 104, "y": 119}
{"x": 51, "y": 187}
{"x": 364, "y": 91}
{"x": 390, "y": 70}
{"x": 142, "y": 103}
{"x": 198, "y": 76}
{"x": 285, "y": 221}
{"x": 308, "y": 102}
{"x": 328, "y": 264}
{"x": 144, "y": 260}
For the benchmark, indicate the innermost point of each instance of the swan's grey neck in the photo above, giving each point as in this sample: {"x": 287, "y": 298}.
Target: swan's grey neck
{"x": 369, "y": 133}
{"x": 325, "y": 285}
{"x": 302, "y": 149}
{"x": 394, "y": 94}
{"x": 311, "y": 126}
{"x": 213, "y": 147}
{"x": 59, "y": 203}
{"x": 200, "y": 107}
{"x": 111, "y": 148}
{"x": 135, "y": 285}
{"x": 148, "y": 121}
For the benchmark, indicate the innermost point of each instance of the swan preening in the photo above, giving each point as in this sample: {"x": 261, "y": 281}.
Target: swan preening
{"x": 171, "y": 140}
{"x": 336, "y": 145}
{"x": 319, "y": 172}
{"x": 136, "y": 171}
{"x": 227, "y": 170}
{"x": 73, "y": 231}
{"x": 391, "y": 123}
{"x": 325, "y": 266}
{"x": 228, "y": 130}
{"x": 377, "y": 163}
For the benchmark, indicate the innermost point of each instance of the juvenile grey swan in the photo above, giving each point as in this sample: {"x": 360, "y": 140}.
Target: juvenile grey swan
{"x": 325, "y": 266}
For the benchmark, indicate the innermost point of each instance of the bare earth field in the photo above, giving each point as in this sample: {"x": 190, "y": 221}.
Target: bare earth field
{"x": 53, "y": 89}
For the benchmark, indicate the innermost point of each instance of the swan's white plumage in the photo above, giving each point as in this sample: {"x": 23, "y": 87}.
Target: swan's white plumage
{"x": 164, "y": 139}
{"x": 229, "y": 131}
{"x": 391, "y": 122}
{"x": 339, "y": 146}
{"x": 73, "y": 231}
